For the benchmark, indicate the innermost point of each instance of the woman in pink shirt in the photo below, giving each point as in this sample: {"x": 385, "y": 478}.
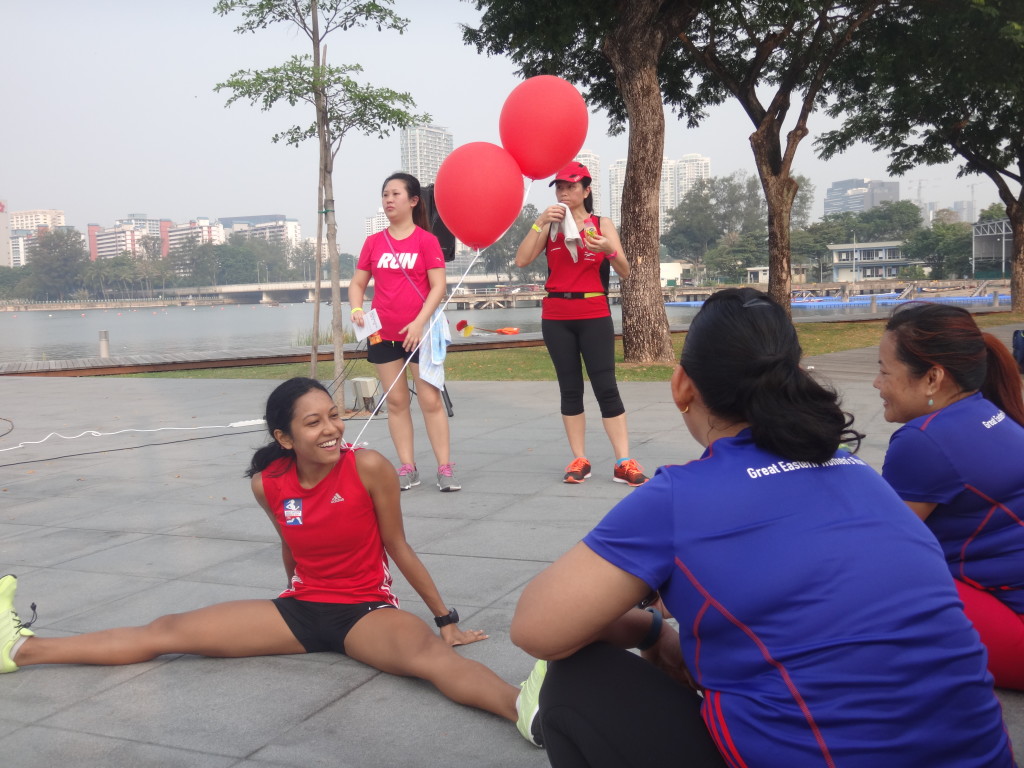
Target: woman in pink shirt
{"x": 407, "y": 267}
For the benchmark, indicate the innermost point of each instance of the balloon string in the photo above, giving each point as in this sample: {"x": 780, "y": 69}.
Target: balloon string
{"x": 433, "y": 321}
{"x": 434, "y": 318}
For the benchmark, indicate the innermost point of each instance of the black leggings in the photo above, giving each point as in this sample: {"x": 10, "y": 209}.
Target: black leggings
{"x": 594, "y": 339}
{"x": 604, "y": 707}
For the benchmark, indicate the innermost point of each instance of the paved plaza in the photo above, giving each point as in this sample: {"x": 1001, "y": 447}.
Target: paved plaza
{"x": 117, "y": 529}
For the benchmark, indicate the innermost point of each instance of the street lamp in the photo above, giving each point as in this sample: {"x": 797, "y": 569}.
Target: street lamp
{"x": 267, "y": 269}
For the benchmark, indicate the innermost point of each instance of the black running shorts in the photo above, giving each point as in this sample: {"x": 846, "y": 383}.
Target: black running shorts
{"x": 323, "y": 626}
{"x": 388, "y": 351}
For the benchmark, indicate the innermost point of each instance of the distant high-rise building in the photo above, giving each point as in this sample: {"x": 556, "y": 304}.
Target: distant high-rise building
{"x": 20, "y": 240}
{"x": 964, "y": 209}
{"x": 677, "y": 178}
{"x": 424, "y": 148}
{"x": 106, "y": 243}
{"x": 593, "y": 163}
{"x": 199, "y": 230}
{"x": 616, "y": 178}
{"x": 856, "y": 195}
{"x": 270, "y": 227}
{"x": 376, "y": 223}
{"x": 5, "y": 235}
{"x": 126, "y": 236}
{"x": 34, "y": 219}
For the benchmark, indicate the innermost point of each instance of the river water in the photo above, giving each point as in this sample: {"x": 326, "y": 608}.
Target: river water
{"x": 65, "y": 334}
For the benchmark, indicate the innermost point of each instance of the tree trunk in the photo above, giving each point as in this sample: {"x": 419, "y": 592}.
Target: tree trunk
{"x": 1016, "y": 214}
{"x": 319, "y": 257}
{"x": 780, "y": 191}
{"x": 633, "y": 50}
{"x": 327, "y": 182}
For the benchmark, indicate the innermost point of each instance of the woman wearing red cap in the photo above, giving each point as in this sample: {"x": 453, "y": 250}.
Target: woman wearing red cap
{"x": 575, "y": 318}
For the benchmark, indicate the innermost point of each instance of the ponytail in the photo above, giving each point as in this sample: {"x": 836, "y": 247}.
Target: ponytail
{"x": 266, "y": 456}
{"x": 278, "y": 415}
{"x": 743, "y": 355}
{"x": 1002, "y": 381}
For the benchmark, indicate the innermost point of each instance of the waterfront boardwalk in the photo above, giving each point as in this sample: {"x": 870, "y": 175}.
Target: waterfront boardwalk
{"x": 115, "y": 530}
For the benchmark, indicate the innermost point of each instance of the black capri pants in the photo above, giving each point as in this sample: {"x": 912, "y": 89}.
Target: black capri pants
{"x": 604, "y": 707}
{"x": 593, "y": 340}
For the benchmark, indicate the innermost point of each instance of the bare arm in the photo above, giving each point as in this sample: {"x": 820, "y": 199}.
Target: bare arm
{"x": 577, "y": 600}
{"x": 261, "y": 498}
{"x": 608, "y": 242}
{"x": 357, "y": 292}
{"x": 381, "y": 481}
{"x": 537, "y": 237}
{"x": 921, "y": 508}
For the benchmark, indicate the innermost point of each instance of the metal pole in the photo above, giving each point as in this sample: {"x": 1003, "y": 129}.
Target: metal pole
{"x": 104, "y": 344}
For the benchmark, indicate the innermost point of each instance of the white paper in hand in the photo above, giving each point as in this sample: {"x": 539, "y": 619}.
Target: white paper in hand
{"x": 371, "y": 324}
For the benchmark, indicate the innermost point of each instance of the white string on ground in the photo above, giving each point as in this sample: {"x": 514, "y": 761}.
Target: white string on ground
{"x": 94, "y": 433}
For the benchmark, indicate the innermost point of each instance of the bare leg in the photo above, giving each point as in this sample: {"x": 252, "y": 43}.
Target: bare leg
{"x": 231, "y": 630}
{"x": 618, "y": 434}
{"x": 576, "y": 431}
{"x": 400, "y": 643}
{"x": 399, "y": 417}
{"x": 434, "y": 416}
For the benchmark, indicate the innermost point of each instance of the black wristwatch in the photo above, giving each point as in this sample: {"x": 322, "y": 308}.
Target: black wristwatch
{"x": 444, "y": 621}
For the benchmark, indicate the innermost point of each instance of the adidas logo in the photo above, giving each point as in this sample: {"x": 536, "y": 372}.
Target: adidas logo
{"x": 337, "y": 498}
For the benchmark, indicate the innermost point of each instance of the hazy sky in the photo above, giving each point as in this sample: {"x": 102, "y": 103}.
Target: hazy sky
{"x": 109, "y": 109}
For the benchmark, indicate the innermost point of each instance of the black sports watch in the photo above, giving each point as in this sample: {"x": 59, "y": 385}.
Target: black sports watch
{"x": 451, "y": 618}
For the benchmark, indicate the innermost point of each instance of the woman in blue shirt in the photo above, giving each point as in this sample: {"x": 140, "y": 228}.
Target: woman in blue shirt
{"x": 817, "y": 622}
{"x": 957, "y": 462}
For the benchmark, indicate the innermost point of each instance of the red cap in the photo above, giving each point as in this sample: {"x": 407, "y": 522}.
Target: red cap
{"x": 573, "y": 172}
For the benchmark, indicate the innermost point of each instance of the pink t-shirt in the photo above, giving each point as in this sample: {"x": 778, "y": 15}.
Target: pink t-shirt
{"x": 399, "y": 272}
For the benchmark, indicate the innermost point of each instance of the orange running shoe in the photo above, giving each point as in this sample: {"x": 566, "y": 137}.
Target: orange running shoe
{"x": 629, "y": 472}
{"x": 577, "y": 471}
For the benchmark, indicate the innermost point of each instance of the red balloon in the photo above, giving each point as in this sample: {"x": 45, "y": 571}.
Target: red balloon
{"x": 479, "y": 192}
{"x": 543, "y": 124}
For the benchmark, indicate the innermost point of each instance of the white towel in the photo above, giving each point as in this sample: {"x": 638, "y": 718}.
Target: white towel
{"x": 433, "y": 350}
{"x": 567, "y": 227}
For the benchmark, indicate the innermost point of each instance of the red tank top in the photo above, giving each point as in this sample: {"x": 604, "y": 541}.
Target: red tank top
{"x": 588, "y": 274}
{"x": 332, "y": 532}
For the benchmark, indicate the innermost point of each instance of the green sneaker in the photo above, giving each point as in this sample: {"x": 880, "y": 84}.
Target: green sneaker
{"x": 528, "y": 704}
{"x": 11, "y": 627}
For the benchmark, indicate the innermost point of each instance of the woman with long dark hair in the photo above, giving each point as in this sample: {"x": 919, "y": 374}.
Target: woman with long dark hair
{"x": 336, "y": 510}
{"x": 575, "y": 318}
{"x": 957, "y": 462}
{"x": 816, "y": 618}
{"x": 406, "y": 264}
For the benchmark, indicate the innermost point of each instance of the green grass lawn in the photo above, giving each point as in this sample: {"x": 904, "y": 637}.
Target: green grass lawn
{"x": 533, "y": 363}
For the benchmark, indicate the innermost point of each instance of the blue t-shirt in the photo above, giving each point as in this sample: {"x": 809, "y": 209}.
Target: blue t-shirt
{"x": 969, "y": 459}
{"x": 814, "y": 608}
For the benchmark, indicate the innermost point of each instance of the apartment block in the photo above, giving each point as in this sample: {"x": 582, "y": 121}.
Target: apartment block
{"x": 424, "y": 148}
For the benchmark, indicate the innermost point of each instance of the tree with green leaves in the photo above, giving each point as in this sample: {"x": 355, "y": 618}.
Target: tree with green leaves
{"x": 614, "y": 51}
{"x": 945, "y": 247}
{"x": 889, "y": 221}
{"x": 727, "y": 205}
{"x": 941, "y": 82}
{"x": 58, "y": 258}
{"x": 994, "y": 212}
{"x": 632, "y": 56}
{"x": 766, "y": 56}
{"x": 500, "y": 257}
{"x": 340, "y": 104}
